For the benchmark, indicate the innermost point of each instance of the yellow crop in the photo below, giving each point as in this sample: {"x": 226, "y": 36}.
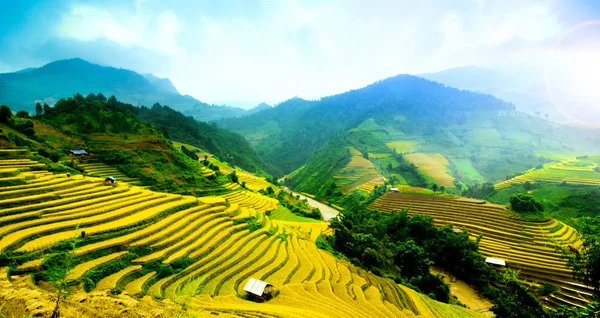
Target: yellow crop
{"x": 135, "y": 286}
{"x": 111, "y": 281}
{"x": 81, "y": 269}
{"x": 182, "y": 220}
{"x": 158, "y": 206}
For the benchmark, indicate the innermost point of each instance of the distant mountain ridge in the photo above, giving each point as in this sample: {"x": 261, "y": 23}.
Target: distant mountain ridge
{"x": 62, "y": 79}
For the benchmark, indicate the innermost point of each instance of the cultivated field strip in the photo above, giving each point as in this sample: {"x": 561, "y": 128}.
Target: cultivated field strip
{"x": 248, "y": 199}
{"x": 198, "y": 250}
{"x": 563, "y": 171}
{"x": 102, "y": 170}
{"x": 525, "y": 245}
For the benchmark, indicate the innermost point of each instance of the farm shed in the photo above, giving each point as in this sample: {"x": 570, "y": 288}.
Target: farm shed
{"x": 495, "y": 261}
{"x": 110, "y": 180}
{"x": 394, "y": 190}
{"x": 259, "y": 289}
{"x": 78, "y": 152}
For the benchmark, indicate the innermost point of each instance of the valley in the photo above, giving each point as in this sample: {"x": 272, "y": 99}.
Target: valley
{"x": 349, "y": 206}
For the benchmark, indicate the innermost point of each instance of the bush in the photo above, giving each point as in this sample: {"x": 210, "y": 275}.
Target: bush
{"x": 525, "y": 203}
{"x": 547, "y": 289}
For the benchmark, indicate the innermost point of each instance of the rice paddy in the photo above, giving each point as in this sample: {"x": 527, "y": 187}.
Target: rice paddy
{"x": 525, "y": 245}
{"x": 433, "y": 165}
{"x": 210, "y": 235}
{"x": 577, "y": 171}
{"x": 403, "y": 146}
{"x": 360, "y": 174}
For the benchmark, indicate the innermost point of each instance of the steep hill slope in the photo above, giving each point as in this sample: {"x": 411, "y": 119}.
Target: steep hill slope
{"x": 196, "y": 252}
{"x": 289, "y": 134}
{"x": 64, "y": 78}
{"x": 450, "y": 135}
{"x": 116, "y": 133}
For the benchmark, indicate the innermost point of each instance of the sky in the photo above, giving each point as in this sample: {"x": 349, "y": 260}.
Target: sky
{"x": 242, "y": 52}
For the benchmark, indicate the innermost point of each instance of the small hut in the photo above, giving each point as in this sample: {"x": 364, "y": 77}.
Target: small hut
{"x": 394, "y": 190}
{"x": 110, "y": 180}
{"x": 496, "y": 262}
{"x": 259, "y": 290}
{"x": 77, "y": 153}
{"x": 457, "y": 229}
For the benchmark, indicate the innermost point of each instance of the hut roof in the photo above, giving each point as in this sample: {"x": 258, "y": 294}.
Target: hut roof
{"x": 255, "y": 287}
{"x": 495, "y": 261}
{"x": 78, "y": 152}
{"x": 111, "y": 178}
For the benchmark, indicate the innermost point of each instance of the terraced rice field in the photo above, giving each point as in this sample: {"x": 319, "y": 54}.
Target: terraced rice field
{"x": 525, "y": 245}
{"x": 357, "y": 173}
{"x": 102, "y": 170}
{"x": 569, "y": 170}
{"x": 133, "y": 230}
{"x": 433, "y": 165}
{"x": 252, "y": 200}
{"x": 403, "y": 146}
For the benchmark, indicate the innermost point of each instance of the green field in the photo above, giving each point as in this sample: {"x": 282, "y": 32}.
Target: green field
{"x": 403, "y": 146}
{"x": 466, "y": 171}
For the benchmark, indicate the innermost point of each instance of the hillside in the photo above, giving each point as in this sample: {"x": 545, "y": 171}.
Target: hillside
{"x": 62, "y": 79}
{"x": 454, "y": 137}
{"x": 122, "y": 135}
{"x": 196, "y": 252}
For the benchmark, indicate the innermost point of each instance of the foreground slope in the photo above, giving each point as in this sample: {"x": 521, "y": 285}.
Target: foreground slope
{"x": 199, "y": 251}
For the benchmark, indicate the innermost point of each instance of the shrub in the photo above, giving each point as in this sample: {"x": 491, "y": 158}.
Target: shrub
{"x": 547, "y": 289}
{"x": 525, "y": 203}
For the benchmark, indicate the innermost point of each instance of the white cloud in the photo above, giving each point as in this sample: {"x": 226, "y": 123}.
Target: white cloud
{"x": 313, "y": 49}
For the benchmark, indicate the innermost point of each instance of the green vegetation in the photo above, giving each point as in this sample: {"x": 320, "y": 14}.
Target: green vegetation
{"x": 525, "y": 203}
{"x": 402, "y": 247}
{"x": 113, "y": 132}
{"x": 227, "y": 146}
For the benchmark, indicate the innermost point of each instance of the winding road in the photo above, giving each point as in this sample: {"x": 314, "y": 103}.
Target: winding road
{"x": 327, "y": 211}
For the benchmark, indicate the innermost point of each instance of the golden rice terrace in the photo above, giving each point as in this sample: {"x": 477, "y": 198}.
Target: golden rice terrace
{"x": 197, "y": 251}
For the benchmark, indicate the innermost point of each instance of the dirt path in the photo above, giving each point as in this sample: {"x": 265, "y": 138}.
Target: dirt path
{"x": 327, "y": 211}
{"x": 466, "y": 295}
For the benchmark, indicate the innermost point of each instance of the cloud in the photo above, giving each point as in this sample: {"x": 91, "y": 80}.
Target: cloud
{"x": 272, "y": 50}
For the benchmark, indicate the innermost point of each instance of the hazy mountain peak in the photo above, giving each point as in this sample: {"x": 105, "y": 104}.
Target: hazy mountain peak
{"x": 162, "y": 83}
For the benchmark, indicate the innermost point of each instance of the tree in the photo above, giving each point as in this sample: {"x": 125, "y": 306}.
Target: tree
{"x": 442, "y": 189}
{"x": 585, "y": 260}
{"x": 243, "y": 184}
{"x": 47, "y": 109}
{"x": 23, "y": 114}
{"x": 39, "y": 111}
{"x": 234, "y": 177}
{"x": 434, "y": 187}
{"x": 58, "y": 273}
{"x": 517, "y": 301}
{"x": 412, "y": 259}
{"x": 525, "y": 203}
{"x": 5, "y": 114}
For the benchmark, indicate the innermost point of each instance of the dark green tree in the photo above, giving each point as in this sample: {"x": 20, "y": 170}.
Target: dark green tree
{"x": 517, "y": 301}
{"x": 234, "y": 177}
{"x": 525, "y": 203}
{"x": 39, "y": 111}
{"x": 5, "y": 115}
{"x": 434, "y": 187}
{"x": 23, "y": 114}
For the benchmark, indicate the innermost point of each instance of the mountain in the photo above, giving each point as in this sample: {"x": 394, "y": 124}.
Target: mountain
{"x": 163, "y": 84}
{"x": 474, "y": 137}
{"x": 526, "y": 89}
{"x": 258, "y": 108}
{"x": 62, "y": 79}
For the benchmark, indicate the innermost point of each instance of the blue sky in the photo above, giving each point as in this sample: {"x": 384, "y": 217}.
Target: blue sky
{"x": 243, "y": 52}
